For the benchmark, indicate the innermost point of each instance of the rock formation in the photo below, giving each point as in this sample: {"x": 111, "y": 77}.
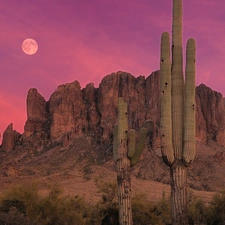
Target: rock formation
{"x": 210, "y": 115}
{"x": 72, "y": 111}
{"x": 10, "y": 137}
{"x": 67, "y": 110}
{"x": 37, "y": 115}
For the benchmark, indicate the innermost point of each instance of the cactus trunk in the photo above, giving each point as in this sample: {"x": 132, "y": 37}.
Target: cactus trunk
{"x": 124, "y": 192}
{"x": 126, "y": 155}
{"x": 177, "y": 121}
{"x": 178, "y": 176}
{"x": 123, "y": 168}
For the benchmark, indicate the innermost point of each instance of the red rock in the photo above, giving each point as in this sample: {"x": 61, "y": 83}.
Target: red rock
{"x": 37, "y": 115}
{"x": 67, "y": 110}
{"x": 93, "y": 111}
{"x": 210, "y": 115}
{"x": 92, "y": 114}
{"x": 10, "y": 137}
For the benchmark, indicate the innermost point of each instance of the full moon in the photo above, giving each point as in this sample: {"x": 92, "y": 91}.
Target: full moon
{"x": 29, "y": 46}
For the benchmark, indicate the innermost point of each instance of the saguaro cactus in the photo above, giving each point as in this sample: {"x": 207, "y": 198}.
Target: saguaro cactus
{"x": 177, "y": 112}
{"x": 126, "y": 156}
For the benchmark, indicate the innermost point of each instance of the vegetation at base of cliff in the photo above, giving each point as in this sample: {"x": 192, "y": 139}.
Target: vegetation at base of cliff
{"x": 23, "y": 204}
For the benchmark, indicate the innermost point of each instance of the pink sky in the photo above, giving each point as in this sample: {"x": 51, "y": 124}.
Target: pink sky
{"x": 85, "y": 40}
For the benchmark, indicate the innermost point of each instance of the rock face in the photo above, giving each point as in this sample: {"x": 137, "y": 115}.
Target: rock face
{"x": 210, "y": 115}
{"x": 37, "y": 114}
{"x": 72, "y": 111}
{"x": 120, "y": 85}
{"x": 10, "y": 137}
{"x": 67, "y": 110}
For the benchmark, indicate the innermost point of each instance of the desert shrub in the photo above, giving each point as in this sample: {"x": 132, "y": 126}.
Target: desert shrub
{"x": 147, "y": 213}
{"x": 213, "y": 213}
{"x": 106, "y": 210}
{"x": 24, "y": 197}
{"x": 108, "y": 191}
{"x": 51, "y": 209}
{"x": 87, "y": 171}
{"x": 197, "y": 211}
{"x": 6, "y": 205}
{"x": 14, "y": 217}
{"x": 163, "y": 209}
{"x": 60, "y": 210}
{"x": 216, "y": 210}
{"x": 144, "y": 213}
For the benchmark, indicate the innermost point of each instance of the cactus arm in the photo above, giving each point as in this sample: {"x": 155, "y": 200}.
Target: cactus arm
{"x": 134, "y": 152}
{"x": 177, "y": 80}
{"x": 115, "y": 142}
{"x": 140, "y": 147}
{"x": 131, "y": 143}
{"x": 189, "y": 122}
{"x": 165, "y": 87}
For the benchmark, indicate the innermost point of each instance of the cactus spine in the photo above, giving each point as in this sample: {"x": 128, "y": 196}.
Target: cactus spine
{"x": 125, "y": 156}
{"x": 177, "y": 112}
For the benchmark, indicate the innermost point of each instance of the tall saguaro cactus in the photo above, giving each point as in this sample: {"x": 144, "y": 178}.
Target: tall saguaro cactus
{"x": 177, "y": 112}
{"x": 126, "y": 155}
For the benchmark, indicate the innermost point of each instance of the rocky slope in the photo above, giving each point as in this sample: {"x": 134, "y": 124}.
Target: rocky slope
{"x": 75, "y": 126}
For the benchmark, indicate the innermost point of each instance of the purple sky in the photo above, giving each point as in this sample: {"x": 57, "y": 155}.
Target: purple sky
{"x": 85, "y": 40}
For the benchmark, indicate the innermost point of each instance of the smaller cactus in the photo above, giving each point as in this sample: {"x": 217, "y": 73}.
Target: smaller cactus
{"x": 127, "y": 138}
{"x": 126, "y": 154}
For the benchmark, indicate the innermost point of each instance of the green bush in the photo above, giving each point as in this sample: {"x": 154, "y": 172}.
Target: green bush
{"x": 216, "y": 210}
{"x": 213, "y": 213}
{"x": 197, "y": 211}
{"x": 51, "y": 209}
{"x": 150, "y": 212}
{"x": 106, "y": 210}
{"x": 143, "y": 212}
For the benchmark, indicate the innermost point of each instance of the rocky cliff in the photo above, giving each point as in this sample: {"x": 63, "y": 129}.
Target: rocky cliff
{"x": 74, "y": 111}
{"x": 210, "y": 119}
